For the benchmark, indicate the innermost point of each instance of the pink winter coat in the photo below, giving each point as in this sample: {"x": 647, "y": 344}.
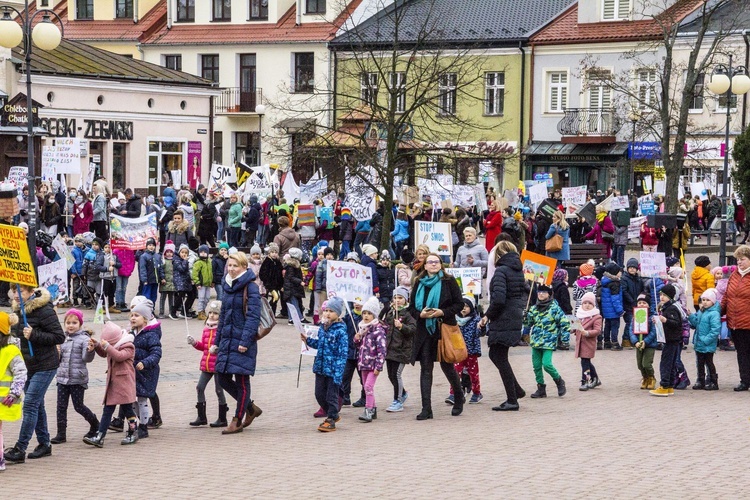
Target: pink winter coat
{"x": 596, "y": 233}
{"x": 586, "y": 346}
{"x": 83, "y": 214}
{"x": 208, "y": 360}
{"x": 120, "y": 388}
{"x": 127, "y": 259}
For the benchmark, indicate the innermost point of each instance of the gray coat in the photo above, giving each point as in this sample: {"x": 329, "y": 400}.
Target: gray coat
{"x": 621, "y": 235}
{"x": 73, "y": 358}
{"x": 475, "y": 250}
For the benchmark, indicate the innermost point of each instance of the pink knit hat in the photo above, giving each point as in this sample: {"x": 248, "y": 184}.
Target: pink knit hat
{"x": 75, "y": 312}
{"x": 589, "y": 297}
{"x": 111, "y": 332}
{"x": 717, "y": 269}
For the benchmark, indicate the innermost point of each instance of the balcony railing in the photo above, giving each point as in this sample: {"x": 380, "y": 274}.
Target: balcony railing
{"x": 589, "y": 122}
{"x": 236, "y": 100}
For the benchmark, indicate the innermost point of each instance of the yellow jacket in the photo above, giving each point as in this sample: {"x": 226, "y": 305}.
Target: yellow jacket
{"x": 702, "y": 280}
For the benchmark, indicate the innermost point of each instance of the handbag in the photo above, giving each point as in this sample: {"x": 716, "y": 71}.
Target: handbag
{"x": 607, "y": 236}
{"x": 554, "y": 244}
{"x": 451, "y": 345}
{"x": 267, "y": 318}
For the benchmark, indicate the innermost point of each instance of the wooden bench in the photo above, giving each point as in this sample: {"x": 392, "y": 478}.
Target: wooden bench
{"x": 581, "y": 253}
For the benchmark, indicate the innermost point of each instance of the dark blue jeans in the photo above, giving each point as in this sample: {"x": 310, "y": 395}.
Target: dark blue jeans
{"x": 669, "y": 354}
{"x": 345, "y": 249}
{"x": 34, "y": 415}
{"x": 618, "y": 254}
{"x": 611, "y": 328}
{"x": 149, "y": 291}
{"x": 628, "y": 318}
{"x": 327, "y": 395}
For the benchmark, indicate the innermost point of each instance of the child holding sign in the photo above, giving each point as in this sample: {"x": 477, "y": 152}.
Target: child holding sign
{"x": 643, "y": 337}
{"x": 548, "y": 324}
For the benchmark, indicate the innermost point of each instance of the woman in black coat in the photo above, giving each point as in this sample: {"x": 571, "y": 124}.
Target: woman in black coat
{"x": 429, "y": 309}
{"x": 208, "y": 226}
{"x": 508, "y": 294}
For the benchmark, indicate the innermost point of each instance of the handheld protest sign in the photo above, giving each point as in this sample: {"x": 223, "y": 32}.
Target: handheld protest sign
{"x": 16, "y": 265}
{"x": 640, "y": 321}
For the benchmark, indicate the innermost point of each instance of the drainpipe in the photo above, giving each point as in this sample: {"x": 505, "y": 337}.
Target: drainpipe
{"x": 211, "y": 133}
{"x": 169, "y": 14}
{"x": 299, "y": 12}
{"x": 520, "y": 115}
{"x": 332, "y": 116}
{"x": 747, "y": 64}
{"x": 531, "y": 95}
{"x": 135, "y": 11}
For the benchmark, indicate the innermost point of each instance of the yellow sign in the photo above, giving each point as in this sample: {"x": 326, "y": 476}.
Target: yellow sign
{"x": 15, "y": 261}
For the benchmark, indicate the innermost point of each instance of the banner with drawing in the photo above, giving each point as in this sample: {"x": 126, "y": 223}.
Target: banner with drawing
{"x": 360, "y": 197}
{"x": 469, "y": 278}
{"x": 54, "y": 277}
{"x": 132, "y": 234}
{"x": 436, "y": 235}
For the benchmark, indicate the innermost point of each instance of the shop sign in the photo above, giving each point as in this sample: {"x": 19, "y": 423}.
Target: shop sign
{"x": 644, "y": 150}
{"x": 482, "y": 148}
{"x": 92, "y": 129}
{"x": 15, "y": 112}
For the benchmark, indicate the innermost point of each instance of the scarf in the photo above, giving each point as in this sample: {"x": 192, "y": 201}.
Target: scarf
{"x": 600, "y": 216}
{"x": 542, "y": 305}
{"x": 432, "y": 300}
{"x": 462, "y": 320}
{"x": 418, "y": 265}
{"x": 79, "y": 200}
{"x": 231, "y": 280}
{"x": 581, "y": 314}
{"x": 363, "y": 326}
{"x": 743, "y": 273}
{"x": 212, "y": 324}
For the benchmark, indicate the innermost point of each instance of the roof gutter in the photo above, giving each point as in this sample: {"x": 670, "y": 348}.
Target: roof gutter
{"x": 747, "y": 63}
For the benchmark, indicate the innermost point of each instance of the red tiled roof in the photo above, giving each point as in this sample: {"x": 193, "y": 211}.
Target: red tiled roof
{"x": 566, "y": 30}
{"x": 284, "y": 31}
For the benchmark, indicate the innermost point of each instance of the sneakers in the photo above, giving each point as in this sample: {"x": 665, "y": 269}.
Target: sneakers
{"x": 328, "y": 425}
{"x": 475, "y": 398}
{"x": 616, "y": 346}
{"x": 173, "y": 317}
{"x": 42, "y": 450}
{"x": 395, "y": 407}
{"x": 450, "y": 400}
{"x": 15, "y": 455}
{"x": 360, "y": 403}
{"x": 404, "y": 397}
{"x": 661, "y": 392}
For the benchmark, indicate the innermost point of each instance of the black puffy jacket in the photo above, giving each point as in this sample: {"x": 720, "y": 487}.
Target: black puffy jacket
{"x": 46, "y": 333}
{"x": 508, "y": 294}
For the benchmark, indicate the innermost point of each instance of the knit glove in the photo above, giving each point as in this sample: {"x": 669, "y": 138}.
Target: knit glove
{"x": 190, "y": 340}
{"x": 9, "y": 400}
{"x": 213, "y": 349}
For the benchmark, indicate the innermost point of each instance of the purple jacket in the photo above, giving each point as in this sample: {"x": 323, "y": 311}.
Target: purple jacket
{"x": 372, "y": 348}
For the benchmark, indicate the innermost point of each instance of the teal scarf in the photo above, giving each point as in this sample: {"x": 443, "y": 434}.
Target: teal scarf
{"x": 435, "y": 285}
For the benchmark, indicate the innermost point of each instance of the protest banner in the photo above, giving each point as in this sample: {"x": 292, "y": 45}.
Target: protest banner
{"x": 15, "y": 261}
{"x": 588, "y": 212}
{"x": 348, "y": 281}
{"x": 463, "y": 196}
{"x": 54, "y": 277}
{"x": 511, "y": 196}
{"x": 647, "y": 206}
{"x": 132, "y": 234}
{"x": 329, "y": 199}
{"x": 634, "y": 228}
{"x": 538, "y": 268}
{"x": 222, "y": 174}
{"x": 64, "y": 156}
{"x": 17, "y": 175}
{"x": 469, "y": 279}
{"x": 290, "y": 187}
{"x": 314, "y": 189}
{"x": 480, "y": 198}
{"x": 574, "y": 196}
{"x": 311, "y": 332}
{"x": 436, "y": 235}
{"x": 258, "y": 182}
{"x": 537, "y": 193}
{"x": 699, "y": 189}
{"x": 325, "y": 216}
{"x": 63, "y": 251}
{"x": 619, "y": 203}
{"x": 176, "y": 176}
{"x": 640, "y": 320}
{"x": 305, "y": 215}
{"x": 653, "y": 264}
{"x": 360, "y": 197}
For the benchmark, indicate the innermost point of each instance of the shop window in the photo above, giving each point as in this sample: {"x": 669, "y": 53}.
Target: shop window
{"x": 173, "y": 61}
{"x": 304, "y": 72}
{"x": 247, "y": 147}
{"x": 398, "y": 91}
{"x": 368, "y": 88}
{"x": 315, "y": 7}
{"x": 186, "y": 11}
{"x": 218, "y": 153}
{"x": 119, "y": 165}
{"x": 123, "y": 9}
{"x": 494, "y": 93}
{"x": 447, "y": 83}
{"x": 222, "y": 10}
{"x": 165, "y": 161}
{"x": 84, "y": 9}
{"x": 210, "y": 67}
{"x": 258, "y": 10}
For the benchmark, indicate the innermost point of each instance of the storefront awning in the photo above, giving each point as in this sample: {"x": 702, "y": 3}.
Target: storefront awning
{"x": 560, "y": 154}
{"x": 21, "y": 130}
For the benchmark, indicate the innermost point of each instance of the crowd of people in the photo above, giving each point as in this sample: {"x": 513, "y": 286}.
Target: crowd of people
{"x": 196, "y": 269}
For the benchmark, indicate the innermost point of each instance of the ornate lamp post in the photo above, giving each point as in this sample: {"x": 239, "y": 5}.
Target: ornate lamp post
{"x": 727, "y": 80}
{"x": 46, "y": 36}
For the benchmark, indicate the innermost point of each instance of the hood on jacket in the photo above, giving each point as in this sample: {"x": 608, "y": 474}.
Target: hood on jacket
{"x": 290, "y": 261}
{"x": 511, "y": 260}
{"x": 43, "y": 297}
{"x": 182, "y": 227}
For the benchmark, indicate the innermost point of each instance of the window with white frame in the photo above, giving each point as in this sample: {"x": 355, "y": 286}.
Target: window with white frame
{"x": 447, "y": 89}
{"x": 696, "y": 104}
{"x": 646, "y": 88}
{"x": 494, "y": 93}
{"x": 721, "y": 103}
{"x": 398, "y": 90}
{"x": 369, "y": 88}
{"x": 258, "y": 10}
{"x": 222, "y": 10}
{"x": 123, "y": 9}
{"x": 557, "y": 85}
{"x": 615, "y": 10}
{"x": 173, "y": 61}
{"x": 600, "y": 93}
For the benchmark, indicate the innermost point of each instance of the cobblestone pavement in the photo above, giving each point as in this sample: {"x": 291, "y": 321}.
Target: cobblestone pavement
{"x": 612, "y": 442}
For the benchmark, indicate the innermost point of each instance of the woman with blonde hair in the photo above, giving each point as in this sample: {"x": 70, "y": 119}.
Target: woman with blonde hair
{"x": 559, "y": 228}
{"x": 603, "y": 232}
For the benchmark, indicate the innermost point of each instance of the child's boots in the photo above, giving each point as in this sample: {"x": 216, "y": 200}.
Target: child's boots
{"x": 541, "y": 391}
{"x": 713, "y": 384}
{"x": 222, "y": 420}
{"x": 367, "y": 416}
{"x": 61, "y": 435}
{"x": 561, "y": 390}
{"x": 97, "y": 440}
{"x": 132, "y": 436}
{"x": 202, "y": 418}
{"x": 651, "y": 383}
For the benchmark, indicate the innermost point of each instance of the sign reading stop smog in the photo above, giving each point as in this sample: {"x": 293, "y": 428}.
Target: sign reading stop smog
{"x": 15, "y": 260}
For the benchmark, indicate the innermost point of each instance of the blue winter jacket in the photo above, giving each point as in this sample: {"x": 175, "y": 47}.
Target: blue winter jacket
{"x": 78, "y": 254}
{"x": 363, "y": 227}
{"x": 401, "y": 231}
{"x": 147, "y": 351}
{"x": 352, "y": 326}
{"x": 367, "y": 261}
{"x": 611, "y": 295}
{"x": 238, "y": 326}
{"x": 649, "y": 339}
{"x": 707, "y": 324}
{"x": 150, "y": 270}
{"x": 333, "y": 346}
{"x": 652, "y": 287}
{"x": 470, "y": 332}
{"x": 631, "y": 286}
{"x": 181, "y": 274}
{"x": 563, "y": 254}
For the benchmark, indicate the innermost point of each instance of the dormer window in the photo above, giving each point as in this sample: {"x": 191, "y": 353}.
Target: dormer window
{"x": 315, "y": 7}
{"x": 123, "y": 9}
{"x": 615, "y": 10}
{"x": 185, "y": 11}
{"x": 258, "y": 10}
{"x": 222, "y": 10}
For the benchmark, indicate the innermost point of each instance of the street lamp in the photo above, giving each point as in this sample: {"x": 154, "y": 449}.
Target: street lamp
{"x": 727, "y": 80}
{"x": 260, "y": 110}
{"x": 634, "y": 116}
{"x": 46, "y": 36}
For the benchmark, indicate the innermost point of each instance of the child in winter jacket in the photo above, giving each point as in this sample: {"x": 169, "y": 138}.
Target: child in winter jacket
{"x": 294, "y": 291}
{"x": 272, "y": 274}
{"x": 320, "y": 283}
{"x": 217, "y": 268}
{"x": 73, "y": 375}
{"x": 207, "y": 367}
{"x": 586, "y": 282}
{"x": 611, "y": 300}
{"x": 468, "y": 322}
{"x": 548, "y": 325}
{"x": 632, "y": 286}
{"x": 183, "y": 282}
{"x": 108, "y": 273}
{"x": 352, "y": 327}
{"x": 254, "y": 261}
{"x": 78, "y": 251}
{"x": 13, "y": 374}
{"x": 92, "y": 263}
{"x": 330, "y": 361}
{"x": 127, "y": 259}
{"x": 117, "y": 346}
{"x": 147, "y": 342}
{"x": 371, "y": 341}
{"x": 645, "y": 347}
{"x": 203, "y": 278}
{"x": 670, "y": 316}
{"x": 721, "y": 277}
{"x": 346, "y": 232}
{"x": 560, "y": 290}
{"x": 400, "y": 329}
{"x": 707, "y": 324}
{"x": 701, "y": 279}
{"x": 591, "y": 321}
{"x": 150, "y": 270}
{"x": 166, "y": 289}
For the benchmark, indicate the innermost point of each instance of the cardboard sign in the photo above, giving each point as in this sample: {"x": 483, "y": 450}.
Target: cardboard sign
{"x": 538, "y": 268}
{"x": 640, "y": 320}
{"x": 537, "y": 193}
{"x": 634, "y": 228}
{"x": 305, "y": 215}
{"x": 463, "y": 196}
{"x": 223, "y": 174}
{"x": 574, "y": 196}
{"x": 18, "y": 176}
{"x": 132, "y": 234}
{"x": 619, "y": 203}
{"x": 480, "y": 197}
{"x": 588, "y": 212}
{"x": 15, "y": 261}
{"x": 64, "y": 157}
{"x": 436, "y": 235}
{"x": 54, "y": 277}
{"x": 653, "y": 264}
{"x": 348, "y": 280}
{"x": 63, "y": 251}
{"x": 469, "y": 279}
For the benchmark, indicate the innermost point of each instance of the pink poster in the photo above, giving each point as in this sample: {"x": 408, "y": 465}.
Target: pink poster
{"x": 194, "y": 163}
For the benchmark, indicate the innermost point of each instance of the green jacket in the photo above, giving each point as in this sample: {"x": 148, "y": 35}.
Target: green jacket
{"x": 235, "y": 215}
{"x": 168, "y": 276}
{"x": 203, "y": 273}
{"x": 547, "y": 326}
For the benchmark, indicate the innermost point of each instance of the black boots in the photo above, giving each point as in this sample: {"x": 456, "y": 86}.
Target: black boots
{"x": 61, "y": 435}
{"x": 541, "y": 391}
{"x": 97, "y": 440}
{"x": 426, "y": 414}
{"x": 561, "y": 390}
{"x": 700, "y": 384}
{"x": 202, "y": 419}
{"x": 93, "y": 429}
{"x": 222, "y": 420}
{"x": 713, "y": 384}
{"x": 458, "y": 405}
